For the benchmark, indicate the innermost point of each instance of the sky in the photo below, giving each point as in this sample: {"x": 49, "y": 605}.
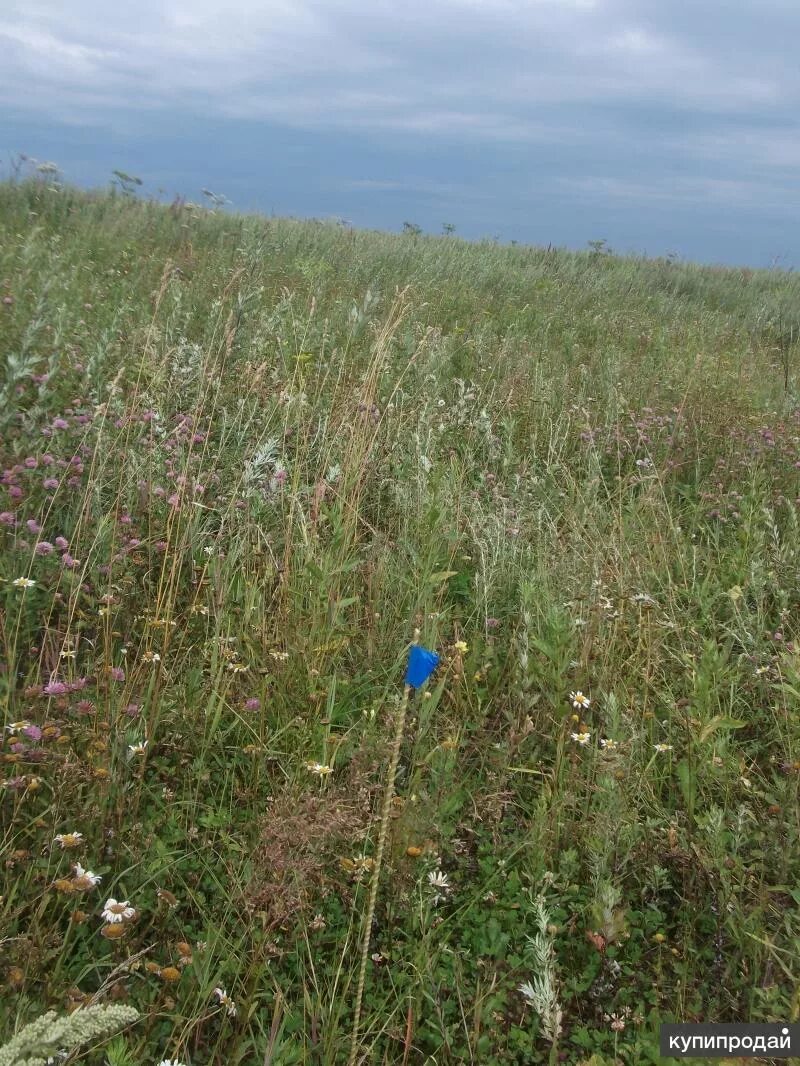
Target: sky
{"x": 663, "y": 127}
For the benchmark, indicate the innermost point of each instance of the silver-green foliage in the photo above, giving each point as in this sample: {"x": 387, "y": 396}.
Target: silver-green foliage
{"x": 50, "y": 1035}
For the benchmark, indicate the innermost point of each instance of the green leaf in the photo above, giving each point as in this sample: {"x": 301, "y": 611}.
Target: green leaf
{"x": 720, "y": 721}
{"x": 441, "y": 575}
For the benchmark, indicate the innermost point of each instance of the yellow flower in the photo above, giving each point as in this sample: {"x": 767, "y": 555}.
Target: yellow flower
{"x": 461, "y": 647}
{"x": 113, "y": 932}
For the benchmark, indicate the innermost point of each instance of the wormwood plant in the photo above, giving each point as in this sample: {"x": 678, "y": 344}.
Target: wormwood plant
{"x": 51, "y": 1037}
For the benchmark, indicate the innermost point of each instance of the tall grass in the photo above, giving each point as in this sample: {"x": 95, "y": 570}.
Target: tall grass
{"x": 244, "y": 458}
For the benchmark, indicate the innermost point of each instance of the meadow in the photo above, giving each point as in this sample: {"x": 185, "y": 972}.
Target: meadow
{"x": 244, "y": 460}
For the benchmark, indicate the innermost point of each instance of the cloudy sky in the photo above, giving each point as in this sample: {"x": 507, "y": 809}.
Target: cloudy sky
{"x": 660, "y": 126}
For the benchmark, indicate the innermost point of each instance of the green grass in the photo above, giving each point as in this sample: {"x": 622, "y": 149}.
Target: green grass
{"x": 273, "y": 449}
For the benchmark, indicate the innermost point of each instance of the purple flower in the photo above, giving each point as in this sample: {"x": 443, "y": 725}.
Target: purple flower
{"x": 15, "y": 492}
{"x": 62, "y": 543}
{"x": 68, "y": 562}
{"x": 252, "y": 704}
{"x": 117, "y": 673}
{"x": 33, "y": 526}
{"x": 60, "y": 423}
{"x": 55, "y": 688}
{"x": 33, "y": 732}
{"x": 50, "y": 483}
{"x": 492, "y": 623}
{"x": 133, "y": 709}
{"x": 84, "y": 707}
{"x": 31, "y": 462}
{"x": 7, "y": 518}
{"x": 44, "y": 547}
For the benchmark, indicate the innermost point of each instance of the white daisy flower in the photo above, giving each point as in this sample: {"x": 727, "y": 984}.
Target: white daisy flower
{"x": 69, "y": 840}
{"x": 16, "y": 727}
{"x": 86, "y": 876}
{"x": 609, "y": 745}
{"x": 170, "y": 1062}
{"x": 318, "y": 768}
{"x": 581, "y": 738}
{"x": 137, "y": 749}
{"x": 662, "y": 747}
{"x": 225, "y": 1001}
{"x": 579, "y": 701}
{"x": 118, "y": 911}
{"x": 23, "y": 583}
{"x": 440, "y": 884}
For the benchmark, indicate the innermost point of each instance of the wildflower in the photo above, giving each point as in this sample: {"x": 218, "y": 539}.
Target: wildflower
{"x": 167, "y": 897}
{"x": 137, "y": 749}
{"x": 609, "y": 745}
{"x": 170, "y": 1062}
{"x": 662, "y": 747}
{"x": 17, "y": 727}
{"x": 118, "y": 911}
{"x": 643, "y": 598}
{"x": 238, "y": 668}
{"x": 253, "y": 704}
{"x": 581, "y": 738}
{"x": 151, "y": 657}
{"x": 318, "y": 768}
{"x": 85, "y": 878}
{"x": 440, "y": 884}
{"x": 113, "y": 932}
{"x": 279, "y": 656}
{"x": 55, "y": 688}
{"x": 579, "y": 701}
{"x": 461, "y": 647}
{"x": 69, "y": 840}
{"x": 225, "y": 1001}
{"x": 43, "y": 547}
{"x": 33, "y": 526}
{"x": 170, "y": 974}
{"x": 23, "y": 583}
{"x": 318, "y": 924}
{"x": 117, "y": 673}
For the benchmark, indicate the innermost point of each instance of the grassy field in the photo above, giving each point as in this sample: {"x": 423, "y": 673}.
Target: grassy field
{"x": 243, "y": 460}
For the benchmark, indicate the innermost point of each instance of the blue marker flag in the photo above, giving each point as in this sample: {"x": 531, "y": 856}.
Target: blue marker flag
{"x": 421, "y": 664}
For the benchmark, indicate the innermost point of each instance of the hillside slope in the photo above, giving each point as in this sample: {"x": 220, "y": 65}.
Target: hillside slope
{"x": 243, "y": 460}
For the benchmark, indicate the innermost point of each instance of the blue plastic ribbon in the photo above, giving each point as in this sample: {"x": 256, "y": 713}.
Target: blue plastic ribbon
{"x": 421, "y": 664}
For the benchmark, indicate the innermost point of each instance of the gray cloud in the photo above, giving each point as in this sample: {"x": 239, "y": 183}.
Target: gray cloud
{"x": 691, "y": 102}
